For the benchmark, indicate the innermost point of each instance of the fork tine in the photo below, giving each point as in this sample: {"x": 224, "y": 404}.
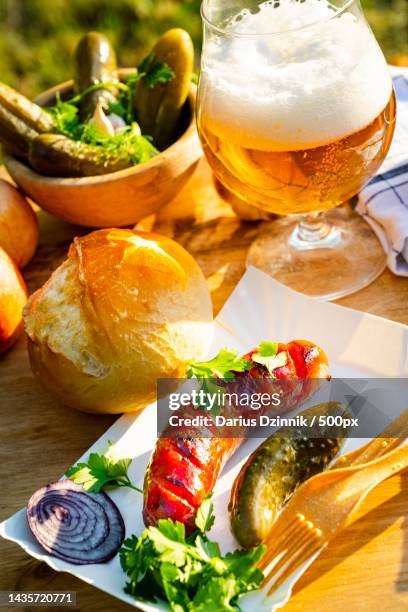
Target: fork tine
{"x": 306, "y": 553}
{"x": 294, "y": 543}
{"x": 306, "y": 537}
{"x": 275, "y": 546}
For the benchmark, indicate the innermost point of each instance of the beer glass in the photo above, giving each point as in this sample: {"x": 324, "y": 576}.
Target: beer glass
{"x": 295, "y": 113}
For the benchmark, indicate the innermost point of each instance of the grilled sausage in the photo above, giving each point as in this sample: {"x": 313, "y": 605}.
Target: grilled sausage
{"x": 183, "y": 471}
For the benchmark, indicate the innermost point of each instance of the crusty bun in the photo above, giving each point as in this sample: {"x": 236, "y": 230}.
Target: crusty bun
{"x": 18, "y": 225}
{"x": 13, "y": 296}
{"x": 125, "y": 309}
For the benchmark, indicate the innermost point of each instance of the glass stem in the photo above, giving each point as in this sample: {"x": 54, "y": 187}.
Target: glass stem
{"x": 315, "y": 231}
{"x": 313, "y": 227}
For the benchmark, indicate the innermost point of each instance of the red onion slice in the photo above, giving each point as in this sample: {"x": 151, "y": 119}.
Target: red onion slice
{"x": 74, "y": 525}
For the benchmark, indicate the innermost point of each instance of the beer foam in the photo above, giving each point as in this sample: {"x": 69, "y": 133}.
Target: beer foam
{"x": 292, "y": 87}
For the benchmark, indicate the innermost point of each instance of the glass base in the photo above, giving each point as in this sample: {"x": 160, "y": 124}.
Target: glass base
{"x": 325, "y": 256}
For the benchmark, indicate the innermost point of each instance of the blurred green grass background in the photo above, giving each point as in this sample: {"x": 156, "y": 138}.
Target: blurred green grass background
{"x": 37, "y": 37}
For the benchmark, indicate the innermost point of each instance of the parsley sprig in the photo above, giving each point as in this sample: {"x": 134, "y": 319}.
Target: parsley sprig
{"x": 154, "y": 72}
{"x": 190, "y": 573}
{"x": 267, "y": 355}
{"x": 102, "y": 472}
{"x": 213, "y": 373}
{"x": 223, "y": 365}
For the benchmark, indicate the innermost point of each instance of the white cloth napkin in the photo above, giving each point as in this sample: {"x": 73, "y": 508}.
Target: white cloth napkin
{"x": 384, "y": 201}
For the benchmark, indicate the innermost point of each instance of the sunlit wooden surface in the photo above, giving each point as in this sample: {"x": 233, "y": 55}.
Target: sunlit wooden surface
{"x": 364, "y": 569}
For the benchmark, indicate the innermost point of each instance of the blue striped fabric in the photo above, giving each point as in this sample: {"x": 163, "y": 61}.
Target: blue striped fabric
{"x": 384, "y": 201}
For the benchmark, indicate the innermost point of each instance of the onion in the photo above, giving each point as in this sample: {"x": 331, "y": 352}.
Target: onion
{"x": 75, "y": 525}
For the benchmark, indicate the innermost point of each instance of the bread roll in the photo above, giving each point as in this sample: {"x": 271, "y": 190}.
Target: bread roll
{"x": 18, "y": 225}
{"x": 125, "y": 309}
{"x": 13, "y": 296}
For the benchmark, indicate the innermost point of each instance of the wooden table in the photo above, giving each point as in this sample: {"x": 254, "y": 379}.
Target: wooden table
{"x": 364, "y": 569}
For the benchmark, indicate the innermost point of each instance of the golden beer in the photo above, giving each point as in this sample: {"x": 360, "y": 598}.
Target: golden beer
{"x": 296, "y": 113}
{"x": 301, "y": 180}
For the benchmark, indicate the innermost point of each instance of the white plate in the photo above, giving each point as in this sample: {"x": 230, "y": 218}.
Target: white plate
{"x": 357, "y": 344}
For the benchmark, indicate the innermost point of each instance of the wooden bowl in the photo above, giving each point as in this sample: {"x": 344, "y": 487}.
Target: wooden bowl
{"x": 120, "y": 198}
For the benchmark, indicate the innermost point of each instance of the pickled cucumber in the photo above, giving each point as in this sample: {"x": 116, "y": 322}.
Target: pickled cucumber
{"x": 94, "y": 62}
{"x": 21, "y": 121}
{"x": 57, "y": 155}
{"x": 21, "y": 107}
{"x": 158, "y": 109}
{"x": 273, "y": 472}
{"x": 15, "y": 135}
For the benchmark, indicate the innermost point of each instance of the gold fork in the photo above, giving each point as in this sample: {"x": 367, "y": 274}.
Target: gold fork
{"x": 318, "y": 510}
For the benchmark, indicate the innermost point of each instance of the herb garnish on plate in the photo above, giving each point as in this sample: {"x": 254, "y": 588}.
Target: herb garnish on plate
{"x": 213, "y": 373}
{"x": 267, "y": 355}
{"x": 223, "y": 365}
{"x": 102, "y": 472}
{"x": 191, "y": 574}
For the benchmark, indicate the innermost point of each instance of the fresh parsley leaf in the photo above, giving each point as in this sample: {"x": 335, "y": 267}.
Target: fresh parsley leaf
{"x": 207, "y": 549}
{"x": 154, "y": 72}
{"x": 212, "y": 387}
{"x": 222, "y": 365}
{"x": 127, "y": 143}
{"x": 159, "y": 73}
{"x": 268, "y": 349}
{"x": 205, "y": 515}
{"x": 268, "y": 356}
{"x": 216, "y": 595}
{"x": 190, "y": 574}
{"x": 242, "y": 564}
{"x": 169, "y": 576}
{"x": 117, "y": 108}
{"x": 174, "y": 530}
{"x": 145, "y": 64}
{"x": 126, "y": 98}
{"x": 102, "y": 472}
{"x": 66, "y": 118}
